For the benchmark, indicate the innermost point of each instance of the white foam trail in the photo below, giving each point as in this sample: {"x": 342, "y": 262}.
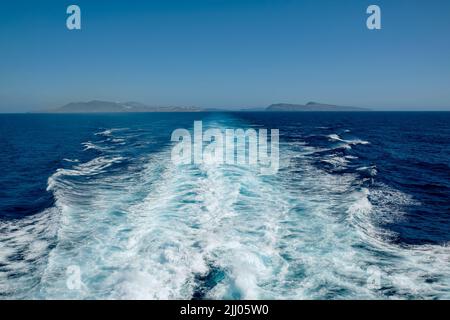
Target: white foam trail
{"x": 273, "y": 238}
{"x": 192, "y": 221}
{"x": 153, "y": 233}
{"x": 410, "y": 271}
{"x": 24, "y": 244}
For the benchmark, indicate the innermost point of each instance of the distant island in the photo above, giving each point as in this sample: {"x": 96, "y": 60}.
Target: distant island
{"x": 310, "y": 107}
{"x": 98, "y": 106}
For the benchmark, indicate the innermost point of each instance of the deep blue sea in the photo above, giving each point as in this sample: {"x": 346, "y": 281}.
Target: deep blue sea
{"x": 360, "y": 208}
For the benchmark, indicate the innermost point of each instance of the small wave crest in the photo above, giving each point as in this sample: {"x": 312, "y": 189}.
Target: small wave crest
{"x": 335, "y": 137}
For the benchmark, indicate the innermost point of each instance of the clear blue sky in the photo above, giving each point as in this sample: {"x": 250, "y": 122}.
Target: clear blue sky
{"x": 216, "y": 53}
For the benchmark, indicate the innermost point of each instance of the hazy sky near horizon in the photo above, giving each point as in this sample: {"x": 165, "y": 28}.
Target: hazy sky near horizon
{"x": 225, "y": 53}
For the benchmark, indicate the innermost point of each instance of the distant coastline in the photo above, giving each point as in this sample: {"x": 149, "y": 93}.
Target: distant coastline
{"x": 98, "y": 106}
{"x": 311, "y": 107}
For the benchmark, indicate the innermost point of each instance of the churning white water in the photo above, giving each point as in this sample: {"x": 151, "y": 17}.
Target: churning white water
{"x": 149, "y": 229}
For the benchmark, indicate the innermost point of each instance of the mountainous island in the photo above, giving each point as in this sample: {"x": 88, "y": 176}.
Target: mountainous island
{"x": 97, "y": 106}
{"x": 310, "y": 107}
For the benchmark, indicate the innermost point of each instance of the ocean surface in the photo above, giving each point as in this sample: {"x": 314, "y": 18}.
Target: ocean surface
{"x": 92, "y": 207}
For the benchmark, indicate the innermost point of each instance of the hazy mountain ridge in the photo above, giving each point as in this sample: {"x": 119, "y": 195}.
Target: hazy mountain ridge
{"x": 97, "y": 106}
